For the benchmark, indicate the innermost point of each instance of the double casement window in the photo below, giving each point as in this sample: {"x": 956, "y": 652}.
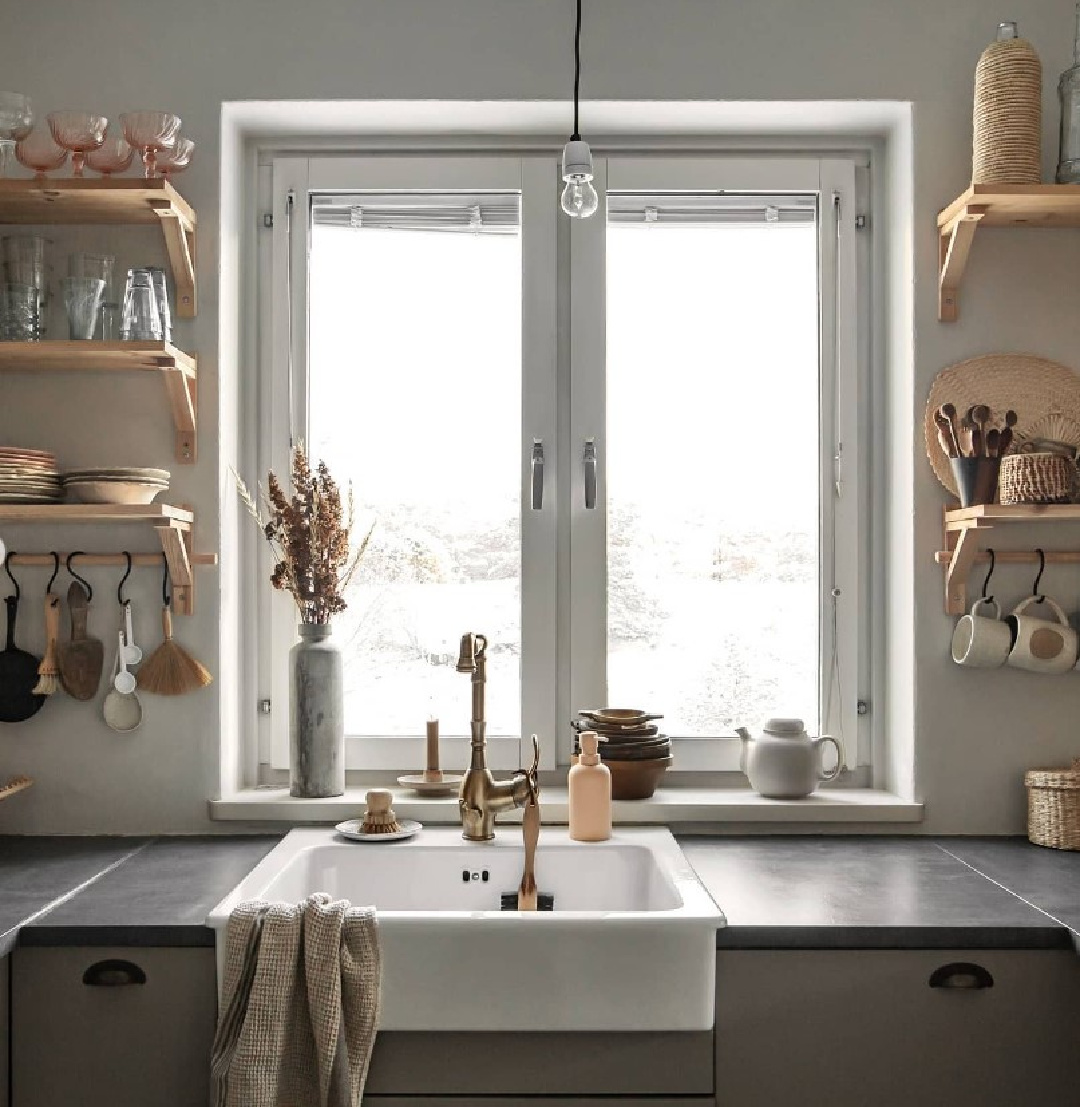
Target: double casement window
{"x": 629, "y": 450}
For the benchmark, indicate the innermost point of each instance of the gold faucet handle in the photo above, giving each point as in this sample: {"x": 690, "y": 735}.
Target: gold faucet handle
{"x": 532, "y": 773}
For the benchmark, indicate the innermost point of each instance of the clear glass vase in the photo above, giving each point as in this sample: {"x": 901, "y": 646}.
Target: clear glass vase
{"x": 1068, "y": 169}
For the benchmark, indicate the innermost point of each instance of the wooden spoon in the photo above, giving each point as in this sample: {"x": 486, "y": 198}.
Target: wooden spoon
{"x": 993, "y": 442}
{"x": 530, "y": 833}
{"x": 946, "y": 438}
{"x": 980, "y": 414}
{"x": 83, "y": 658}
{"x": 949, "y": 412}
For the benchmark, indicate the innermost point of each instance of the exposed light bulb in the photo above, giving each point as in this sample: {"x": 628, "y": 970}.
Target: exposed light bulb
{"x": 579, "y": 198}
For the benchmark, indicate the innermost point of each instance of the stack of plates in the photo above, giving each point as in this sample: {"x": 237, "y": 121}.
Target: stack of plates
{"x": 28, "y": 477}
{"x": 115, "y": 486}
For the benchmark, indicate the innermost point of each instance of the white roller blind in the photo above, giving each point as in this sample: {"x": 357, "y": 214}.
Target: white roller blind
{"x": 475, "y": 213}
{"x": 704, "y": 209}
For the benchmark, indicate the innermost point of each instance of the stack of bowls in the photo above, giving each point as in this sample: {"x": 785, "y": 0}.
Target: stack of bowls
{"x": 115, "y": 486}
{"x": 631, "y": 746}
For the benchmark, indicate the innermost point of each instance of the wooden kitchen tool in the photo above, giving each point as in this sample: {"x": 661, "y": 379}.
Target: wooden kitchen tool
{"x": 171, "y": 670}
{"x": 379, "y": 818}
{"x": 82, "y": 659}
{"x": 48, "y": 683}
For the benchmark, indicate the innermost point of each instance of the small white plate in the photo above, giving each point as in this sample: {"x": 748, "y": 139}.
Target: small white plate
{"x": 350, "y": 829}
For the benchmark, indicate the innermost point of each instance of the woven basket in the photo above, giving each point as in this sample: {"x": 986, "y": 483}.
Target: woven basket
{"x": 1007, "y": 143}
{"x": 1054, "y": 807}
{"x": 1035, "y": 479}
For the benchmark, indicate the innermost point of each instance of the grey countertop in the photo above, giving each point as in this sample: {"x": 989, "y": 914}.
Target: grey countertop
{"x": 888, "y": 893}
{"x": 776, "y": 892}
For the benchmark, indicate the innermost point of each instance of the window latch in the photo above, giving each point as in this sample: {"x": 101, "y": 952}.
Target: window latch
{"x": 590, "y": 473}
{"x": 838, "y": 460}
{"x": 537, "y": 475}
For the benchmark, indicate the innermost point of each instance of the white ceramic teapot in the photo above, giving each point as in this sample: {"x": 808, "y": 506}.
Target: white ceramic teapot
{"x": 785, "y": 762}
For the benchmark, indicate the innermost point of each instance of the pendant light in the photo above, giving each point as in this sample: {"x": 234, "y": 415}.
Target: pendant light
{"x": 579, "y": 199}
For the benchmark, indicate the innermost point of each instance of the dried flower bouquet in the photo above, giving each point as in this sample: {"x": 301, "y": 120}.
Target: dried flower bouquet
{"x": 309, "y": 534}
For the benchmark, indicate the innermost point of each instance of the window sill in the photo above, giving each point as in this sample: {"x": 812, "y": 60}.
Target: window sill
{"x": 668, "y": 806}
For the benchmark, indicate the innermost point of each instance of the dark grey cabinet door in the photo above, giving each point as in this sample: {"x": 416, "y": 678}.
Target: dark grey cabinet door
{"x": 848, "y": 1028}
{"x": 112, "y": 1027}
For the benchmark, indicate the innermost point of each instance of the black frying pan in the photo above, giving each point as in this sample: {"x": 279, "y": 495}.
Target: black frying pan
{"x": 18, "y": 669}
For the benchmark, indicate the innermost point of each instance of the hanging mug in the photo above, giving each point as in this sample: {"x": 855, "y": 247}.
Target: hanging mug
{"x": 1041, "y": 645}
{"x": 981, "y": 641}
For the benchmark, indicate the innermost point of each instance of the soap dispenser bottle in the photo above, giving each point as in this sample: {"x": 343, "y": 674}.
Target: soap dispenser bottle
{"x": 590, "y": 793}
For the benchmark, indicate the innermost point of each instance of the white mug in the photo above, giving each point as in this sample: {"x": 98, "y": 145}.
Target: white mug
{"x": 1041, "y": 645}
{"x": 981, "y": 641}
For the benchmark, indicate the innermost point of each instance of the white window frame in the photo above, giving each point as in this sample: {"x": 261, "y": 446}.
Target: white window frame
{"x": 563, "y": 648}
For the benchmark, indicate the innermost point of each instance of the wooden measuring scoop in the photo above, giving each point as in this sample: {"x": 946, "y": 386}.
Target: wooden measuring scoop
{"x": 83, "y": 658}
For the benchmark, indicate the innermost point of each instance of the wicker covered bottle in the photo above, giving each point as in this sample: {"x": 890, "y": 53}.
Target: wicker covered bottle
{"x": 1007, "y": 145}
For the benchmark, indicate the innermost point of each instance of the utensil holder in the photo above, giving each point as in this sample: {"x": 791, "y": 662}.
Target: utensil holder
{"x": 1054, "y": 807}
{"x": 976, "y": 479}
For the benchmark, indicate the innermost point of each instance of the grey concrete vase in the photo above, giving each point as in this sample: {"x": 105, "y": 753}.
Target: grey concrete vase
{"x": 316, "y": 715}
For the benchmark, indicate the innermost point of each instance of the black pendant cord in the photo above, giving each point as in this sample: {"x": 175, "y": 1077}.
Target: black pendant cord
{"x": 576, "y": 136}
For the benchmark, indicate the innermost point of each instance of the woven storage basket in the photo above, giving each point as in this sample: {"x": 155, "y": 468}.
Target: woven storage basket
{"x": 1054, "y": 807}
{"x": 1035, "y": 479}
{"x": 1007, "y": 142}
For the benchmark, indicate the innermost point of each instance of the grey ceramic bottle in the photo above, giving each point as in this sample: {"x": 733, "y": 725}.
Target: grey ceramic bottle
{"x": 316, "y": 715}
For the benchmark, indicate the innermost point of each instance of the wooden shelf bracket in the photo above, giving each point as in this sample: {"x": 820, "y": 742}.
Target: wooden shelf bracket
{"x": 182, "y": 389}
{"x": 954, "y": 245}
{"x": 180, "y": 246}
{"x": 176, "y": 542}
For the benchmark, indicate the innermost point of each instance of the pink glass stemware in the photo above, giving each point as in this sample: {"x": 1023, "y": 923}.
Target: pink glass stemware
{"x": 114, "y": 155}
{"x": 151, "y": 132}
{"x": 177, "y": 159}
{"x": 77, "y": 131}
{"x": 39, "y": 152}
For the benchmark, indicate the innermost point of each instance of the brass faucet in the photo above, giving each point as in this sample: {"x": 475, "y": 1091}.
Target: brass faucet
{"x": 482, "y": 797}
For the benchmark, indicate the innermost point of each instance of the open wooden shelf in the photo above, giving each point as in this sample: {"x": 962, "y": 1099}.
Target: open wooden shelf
{"x": 173, "y": 526}
{"x": 963, "y": 527}
{"x": 179, "y": 372}
{"x": 1049, "y": 205}
{"x": 131, "y": 200}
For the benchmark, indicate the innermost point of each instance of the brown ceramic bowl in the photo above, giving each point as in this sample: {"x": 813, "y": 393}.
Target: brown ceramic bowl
{"x": 636, "y": 780}
{"x": 637, "y": 753}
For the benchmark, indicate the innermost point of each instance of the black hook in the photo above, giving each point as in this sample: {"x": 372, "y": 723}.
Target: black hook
{"x": 7, "y": 569}
{"x": 81, "y": 580}
{"x": 166, "y": 594}
{"x": 55, "y": 572}
{"x": 990, "y": 573}
{"x": 1042, "y": 568}
{"x": 123, "y": 580}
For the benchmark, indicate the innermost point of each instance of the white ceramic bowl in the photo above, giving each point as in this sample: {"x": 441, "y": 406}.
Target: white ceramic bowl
{"x": 112, "y": 491}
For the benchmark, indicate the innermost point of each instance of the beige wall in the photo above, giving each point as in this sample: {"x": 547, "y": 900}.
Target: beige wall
{"x": 974, "y": 733}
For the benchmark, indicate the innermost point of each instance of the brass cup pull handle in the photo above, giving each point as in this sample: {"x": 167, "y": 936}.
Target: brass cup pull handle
{"x": 961, "y": 975}
{"x": 113, "y": 973}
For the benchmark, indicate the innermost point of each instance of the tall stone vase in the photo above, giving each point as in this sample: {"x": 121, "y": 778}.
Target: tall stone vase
{"x": 316, "y": 714}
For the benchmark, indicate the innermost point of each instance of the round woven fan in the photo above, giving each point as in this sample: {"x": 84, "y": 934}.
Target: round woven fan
{"x": 1041, "y": 392}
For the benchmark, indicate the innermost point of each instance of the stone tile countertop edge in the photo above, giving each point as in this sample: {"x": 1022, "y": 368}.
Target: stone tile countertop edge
{"x": 797, "y": 892}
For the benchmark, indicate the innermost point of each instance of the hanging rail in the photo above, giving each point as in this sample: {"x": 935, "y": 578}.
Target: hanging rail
{"x": 180, "y": 565}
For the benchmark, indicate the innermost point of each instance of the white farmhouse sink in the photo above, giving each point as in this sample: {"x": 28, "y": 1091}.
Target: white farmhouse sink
{"x": 630, "y": 944}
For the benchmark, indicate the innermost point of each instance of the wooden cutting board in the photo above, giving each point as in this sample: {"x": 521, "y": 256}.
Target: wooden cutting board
{"x": 82, "y": 659}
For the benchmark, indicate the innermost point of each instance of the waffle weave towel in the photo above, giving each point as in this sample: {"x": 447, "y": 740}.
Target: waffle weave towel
{"x": 299, "y": 1005}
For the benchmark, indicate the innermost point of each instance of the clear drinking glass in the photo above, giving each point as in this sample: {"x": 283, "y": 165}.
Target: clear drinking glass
{"x": 82, "y": 298}
{"x": 24, "y": 264}
{"x": 140, "y": 320}
{"x": 40, "y": 153}
{"x": 114, "y": 155}
{"x": 151, "y": 132}
{"x": 16, "y": 119}
{"x": 79, "y": 132}
{"x": 161, "y": 293}
{"x": 99, "y": 266}
{"x": 20, "y": 313}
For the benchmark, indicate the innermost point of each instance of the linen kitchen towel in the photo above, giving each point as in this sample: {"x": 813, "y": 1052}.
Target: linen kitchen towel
{"x": 299, "y": 1005}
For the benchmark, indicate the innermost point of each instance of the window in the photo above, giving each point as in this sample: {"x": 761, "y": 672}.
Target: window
{"x": 626, "y": 449}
